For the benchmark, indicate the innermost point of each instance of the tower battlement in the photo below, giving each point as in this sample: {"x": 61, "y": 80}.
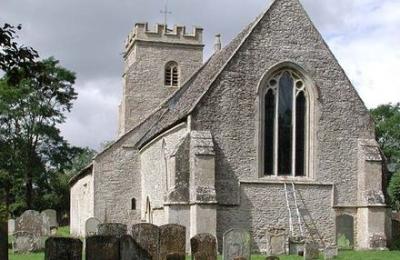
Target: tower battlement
{"x": 161, "y": 33}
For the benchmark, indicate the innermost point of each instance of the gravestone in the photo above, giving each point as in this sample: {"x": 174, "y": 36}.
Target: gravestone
{"x": 345, "y": 231}
{"x": 330, "y": 252}
{"x": 112, "y": 229}
{"x": 51, "y": 216}
{"x": 102, "y": 248}
{"x": 32, "y": 222}
{"x": 204, "y": 247}
{"x": 148, "y": 237}
{"x": 91, "y": 226}
{"x": 63, "y": 248}
{"x": 236, "y": 244}
{"x": 277, "y": 241}
{"x": 11, "y": 226}
{"x": 272, "y": 257}
{"x": 311, "y": 251}
{"x": 3, "y": 240}
{"x": 172, "y": 242}
{"x": 130, "y": 250}
{"x": 25, "y": 242}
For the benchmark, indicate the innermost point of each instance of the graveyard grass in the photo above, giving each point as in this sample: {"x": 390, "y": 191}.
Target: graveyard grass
{"x": 343, "y": 255}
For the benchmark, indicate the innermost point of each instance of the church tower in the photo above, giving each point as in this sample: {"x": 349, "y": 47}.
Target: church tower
{"x": 157, "y": 63}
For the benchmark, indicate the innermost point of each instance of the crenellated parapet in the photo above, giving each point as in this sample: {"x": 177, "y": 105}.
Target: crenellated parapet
{"x": 161, "y": 33}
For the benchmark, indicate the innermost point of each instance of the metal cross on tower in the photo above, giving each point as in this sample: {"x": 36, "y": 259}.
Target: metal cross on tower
{"x": 165, "y": 12}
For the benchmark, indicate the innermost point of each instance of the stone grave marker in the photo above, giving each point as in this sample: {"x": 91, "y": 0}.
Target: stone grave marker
{"x": 203, "y": 247}
{"x": 25, "y": 242}
{"x": 130, "y": 250}
{"x": 311, "y": 250}
{"x": 172, "y": 242}
{"x": 148, "y": 237}
{"x": 112, "y": 229}
{"x": 277, "y": 241}
{"x": 236, "y": 244}
{"x": 63, "y": 248}
{"x": 102, "y": 248}
{"x": 32, "y": 222}
{"x": 330, "y": 252}
{"x": 3, "y": 240}
{"x": 91, "y": 226}
{"x": 11, "y": 226}
{"x": 51, "y": 216}
{"x": 272, "y": 257}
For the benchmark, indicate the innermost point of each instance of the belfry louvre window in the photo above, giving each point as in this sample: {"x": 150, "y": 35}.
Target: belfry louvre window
{"x": 285, "y": 125}
{"x": 171, "y": 74}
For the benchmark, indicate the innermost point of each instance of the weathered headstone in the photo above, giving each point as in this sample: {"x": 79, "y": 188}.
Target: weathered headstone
{"x": 330, "y": 252}
{"x": 377, "y": 241}
{"x": 311, "y": 250}
{"x": 277, "y": 241}
{"x": 51, "y": 216}
{"x": 3, "y": 240}
{"x": 236, "y": 244}
{"x": 63, "y": 248}
{"x": 25, "y": 242}
{"x": 32, "y": 222}
{"x": 11, "y": 226}
{"x": 204, "y": 247}
{"x": 102, "y": 248}
{"x": 130, "y": 250}
{"x": 91, "y": 226}
{"x": 172, "y": 242}
{"x": 147, "y": 236}
{"x": 112, "y": 229}
{"x": 272, "y": 257}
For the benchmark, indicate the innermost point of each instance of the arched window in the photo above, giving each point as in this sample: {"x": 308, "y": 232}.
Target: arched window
{"x": 285, "y": 130}
{"x": 171, "y": 74}
{"x": 133, "y": 204}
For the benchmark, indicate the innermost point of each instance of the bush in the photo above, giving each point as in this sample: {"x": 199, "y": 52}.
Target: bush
{"x": 394, "y": 191}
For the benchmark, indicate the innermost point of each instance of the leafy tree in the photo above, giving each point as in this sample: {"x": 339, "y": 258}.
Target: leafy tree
{"x": 394, "y": 191}
{"x": 387, "y": 121}
{"x": 29, "y": 114}
{"x": 16, "y": 60}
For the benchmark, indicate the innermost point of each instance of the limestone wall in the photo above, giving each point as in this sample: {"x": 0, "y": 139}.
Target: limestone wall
{"x": 117, "y": 181}
{"x": 156, "y": 179}
{"x": 81, "y": 202}
{"x": 229, "y": 111}
{"x": 144, "y": 88}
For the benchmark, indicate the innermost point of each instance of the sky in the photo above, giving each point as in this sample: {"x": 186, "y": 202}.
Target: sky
{"x": 87, "y": 37}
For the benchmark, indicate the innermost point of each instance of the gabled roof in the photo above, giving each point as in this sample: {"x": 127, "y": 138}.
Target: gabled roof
{"x": 178, "y": 106}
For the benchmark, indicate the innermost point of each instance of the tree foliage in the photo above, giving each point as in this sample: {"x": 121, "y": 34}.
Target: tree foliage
{"x": 35, "y": 160}
{"x": 387, "y": 122}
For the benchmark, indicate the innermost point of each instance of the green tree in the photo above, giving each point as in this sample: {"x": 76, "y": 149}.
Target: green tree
{"x": 394, "y": 191}
{"x": 15, "y": 60}
{"x": 387, "y": 122}
{"x": 29, "y": 114}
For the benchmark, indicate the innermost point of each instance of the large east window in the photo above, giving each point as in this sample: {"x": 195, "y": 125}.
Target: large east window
{"x": 285, "y": 129}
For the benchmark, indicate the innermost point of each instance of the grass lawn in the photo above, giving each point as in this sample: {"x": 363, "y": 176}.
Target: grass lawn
{"x": 343, "y": 255}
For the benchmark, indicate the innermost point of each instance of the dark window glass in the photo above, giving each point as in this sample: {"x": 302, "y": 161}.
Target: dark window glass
{"x": 175, "y": 76}
{"x": 300, "y": 133}
{"x": 285, "y": 109}
{"x": 269, "y": 133}
{"x": 133, "y": 204}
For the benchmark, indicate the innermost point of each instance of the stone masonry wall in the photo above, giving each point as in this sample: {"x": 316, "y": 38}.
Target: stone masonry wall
{"x": 154, "y": 160}
{"x": 144, "y": 87}
{"x": 81, "y": 202}
{"x": 229, "y": 111}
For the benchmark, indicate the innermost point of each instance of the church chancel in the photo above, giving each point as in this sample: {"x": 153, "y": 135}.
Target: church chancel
{"x": 267, "y": 135}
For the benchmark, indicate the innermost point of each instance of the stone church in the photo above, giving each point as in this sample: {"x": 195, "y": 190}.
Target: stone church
{"x": 267, "y": 135}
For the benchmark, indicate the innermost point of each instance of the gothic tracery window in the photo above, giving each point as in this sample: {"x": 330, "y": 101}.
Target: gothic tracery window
{"x": 171, "y": 74}
{"x": 285, "y": 129}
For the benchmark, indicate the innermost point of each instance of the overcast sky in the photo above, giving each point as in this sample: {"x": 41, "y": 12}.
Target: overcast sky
{"x": 87, "y": 37}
